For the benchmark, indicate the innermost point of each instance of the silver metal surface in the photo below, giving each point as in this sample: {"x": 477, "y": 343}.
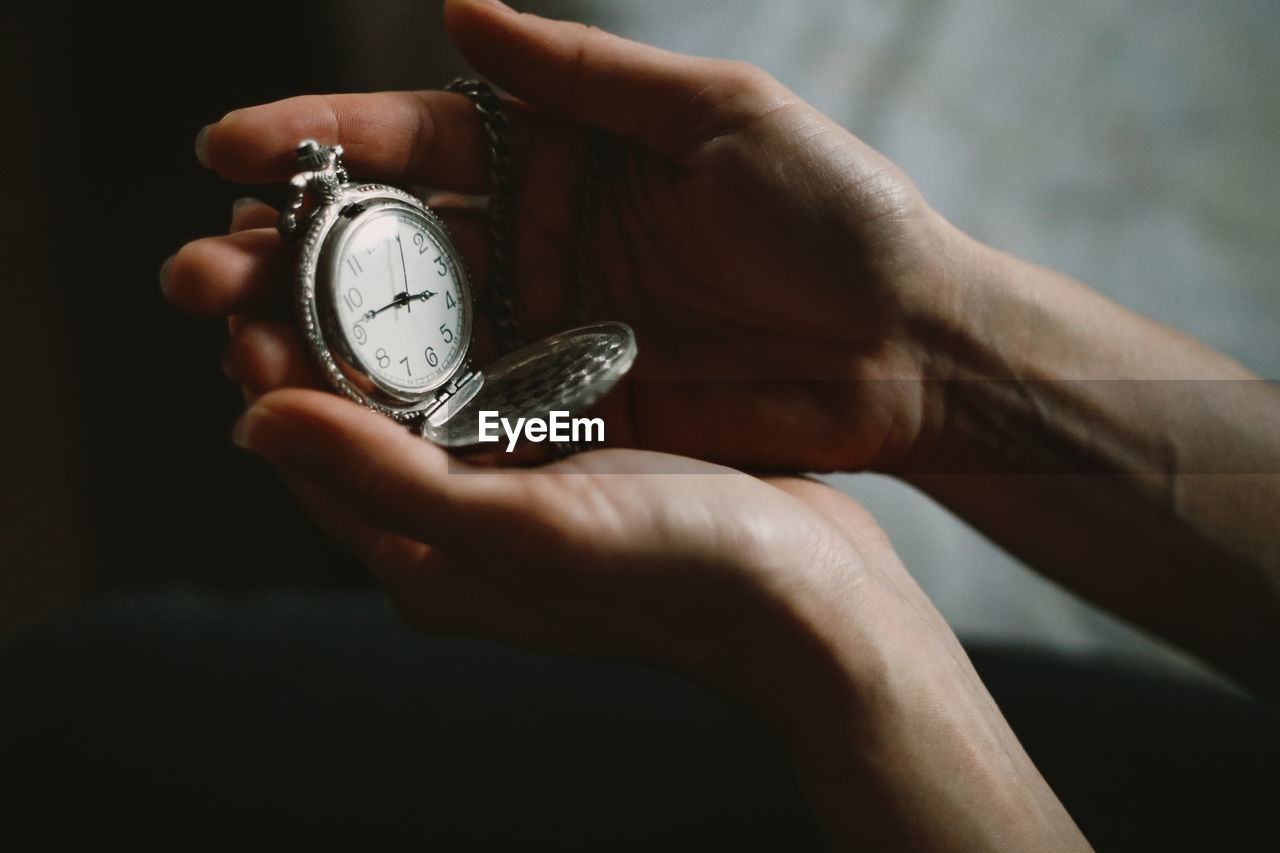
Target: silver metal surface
{"x": 322, "y": 174}
{"x": 568, "y": 371}
{"x": 318, "y": 256}
{"x": 500, "y": 299}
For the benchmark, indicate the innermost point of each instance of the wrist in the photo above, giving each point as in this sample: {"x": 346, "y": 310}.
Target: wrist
{"x": 993, "y": 335}
{"x": 1026, "y": 369}
{"x": 896, "y": 741}
{"x": 960, "y": 330}
{"x": 828, "y": 640}
{"x": 936, "y": 320}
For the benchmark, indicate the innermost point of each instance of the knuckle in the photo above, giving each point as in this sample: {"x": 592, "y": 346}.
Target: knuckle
{"x": 734, "y": 96}
{"x": 186, "y": 279}
{"x": 744, "y": 79}
{"x": 251, "y": 360}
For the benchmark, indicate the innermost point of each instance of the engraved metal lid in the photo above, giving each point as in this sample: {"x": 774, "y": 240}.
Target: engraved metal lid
{"x": 568, "y": 371}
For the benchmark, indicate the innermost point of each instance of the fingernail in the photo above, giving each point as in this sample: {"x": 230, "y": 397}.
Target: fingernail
{"x": 242, "y": 433}
{"x": 164, "y": 275}
{"x": 202, "y": 145}
{"x": 239, "y": 205}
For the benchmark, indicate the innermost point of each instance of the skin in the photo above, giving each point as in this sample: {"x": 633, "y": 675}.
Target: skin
{"x": 799, "y": 307}
{"x": 769, "y": 306}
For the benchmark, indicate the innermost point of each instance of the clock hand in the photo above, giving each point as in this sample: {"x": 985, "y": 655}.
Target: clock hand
{"x": 404, "y": 269}
{"x": 401, "y": 299}
{"x": 390, "y": 271}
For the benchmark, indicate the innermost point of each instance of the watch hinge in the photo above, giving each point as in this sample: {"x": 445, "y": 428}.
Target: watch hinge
{"x": 443, "y": 395}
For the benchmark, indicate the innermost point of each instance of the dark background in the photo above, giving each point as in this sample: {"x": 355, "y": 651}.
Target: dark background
{"x": 232, "y": 700}
{"x": 118, "y": 418}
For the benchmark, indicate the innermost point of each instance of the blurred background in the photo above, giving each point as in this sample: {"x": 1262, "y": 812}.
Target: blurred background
{"x": 1128, "y": 143}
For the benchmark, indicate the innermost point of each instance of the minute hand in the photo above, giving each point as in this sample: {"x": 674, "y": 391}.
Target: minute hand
{"x": 403, "y": 269}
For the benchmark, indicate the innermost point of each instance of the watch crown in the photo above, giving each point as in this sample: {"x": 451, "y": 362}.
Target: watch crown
{"x": 312, "y": 156}
{"x": 320, "y": 171}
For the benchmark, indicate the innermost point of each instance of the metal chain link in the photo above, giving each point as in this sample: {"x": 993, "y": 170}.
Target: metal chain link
{"x": 500, "y": 301}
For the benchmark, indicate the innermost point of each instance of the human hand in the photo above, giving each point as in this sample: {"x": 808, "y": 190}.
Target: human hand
{"x": 615, "y": 553}
{"x": 782, "y": 594}
{"x": 772, "y": 265}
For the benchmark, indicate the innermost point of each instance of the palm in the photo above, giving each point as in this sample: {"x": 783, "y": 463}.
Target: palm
{"x": 740, "y": 299}
{"x": 618, "y": 552}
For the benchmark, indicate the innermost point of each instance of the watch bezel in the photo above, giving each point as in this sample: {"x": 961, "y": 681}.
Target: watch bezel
{"x": 319, "y": 257}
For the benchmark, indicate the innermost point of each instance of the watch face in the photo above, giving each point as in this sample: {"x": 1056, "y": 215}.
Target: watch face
{"x": 399, "y": 300}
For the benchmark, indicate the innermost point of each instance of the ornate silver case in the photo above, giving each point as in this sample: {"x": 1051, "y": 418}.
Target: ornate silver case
{"x": 568, "y": 371}
{"x": 319, "y": 254}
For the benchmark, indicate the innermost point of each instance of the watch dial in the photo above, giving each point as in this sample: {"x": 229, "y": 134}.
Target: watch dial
{"x": 399, "y": 301}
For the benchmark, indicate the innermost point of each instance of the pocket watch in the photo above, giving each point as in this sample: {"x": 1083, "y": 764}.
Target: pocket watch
{"x": 385, "y": 305}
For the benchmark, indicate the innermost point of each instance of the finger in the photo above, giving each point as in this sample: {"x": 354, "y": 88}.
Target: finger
{"x": 667, "y": 101}
{"x": 428, "y": 589}
{"x": 249, "y": 271}
{"x": 389, "y": 556}
{"x": 250, "y": 213}
{"x": 432, "y": 138}
{"x": 264, "y": 355}
{"x": 386, "y": 474}
{"x": 237, "y": 272}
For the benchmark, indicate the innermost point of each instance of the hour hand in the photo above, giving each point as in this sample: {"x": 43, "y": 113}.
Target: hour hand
{"x": 401, "y": 299}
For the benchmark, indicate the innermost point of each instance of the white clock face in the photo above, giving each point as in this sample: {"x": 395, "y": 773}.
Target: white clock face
{"x": 399, "y": 301}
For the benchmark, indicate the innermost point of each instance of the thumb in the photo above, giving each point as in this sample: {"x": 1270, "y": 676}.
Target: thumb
{"x": 378, "y": 471}
{"x": 667, "y": 101}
